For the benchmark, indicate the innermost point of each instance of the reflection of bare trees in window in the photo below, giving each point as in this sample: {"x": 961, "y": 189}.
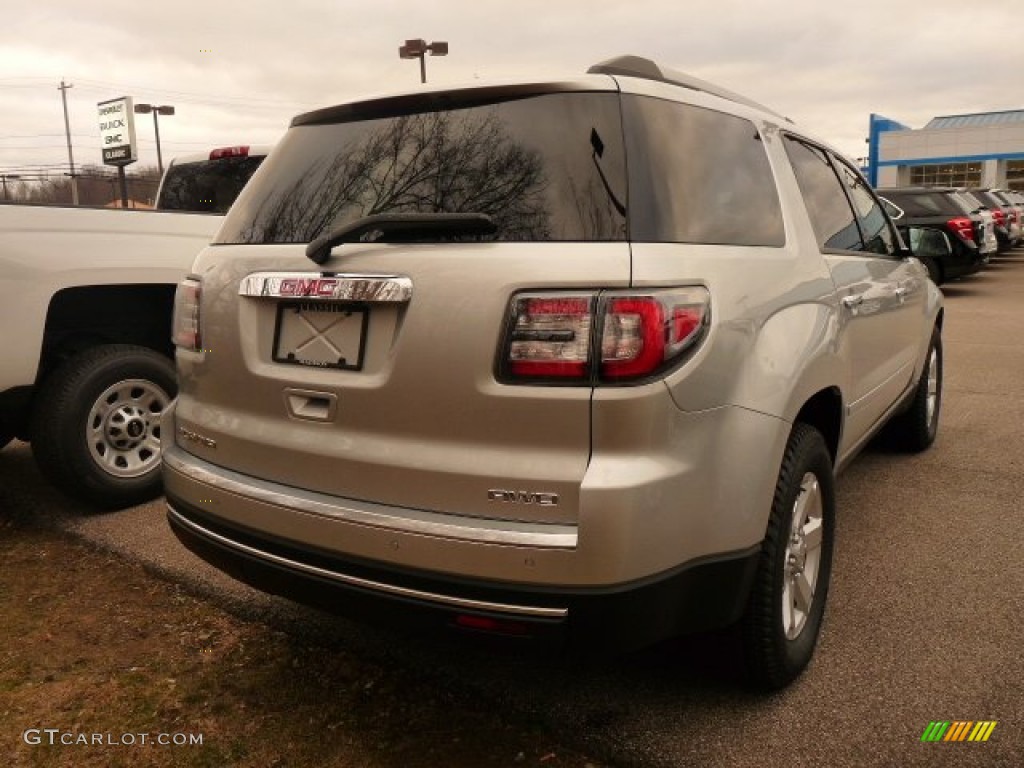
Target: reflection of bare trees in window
{"x": 596, "y": 211}
{"x": 443, "y": 162}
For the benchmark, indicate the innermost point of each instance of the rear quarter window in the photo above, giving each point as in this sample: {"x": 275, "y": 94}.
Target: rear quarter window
{"x": 698, "y": 176}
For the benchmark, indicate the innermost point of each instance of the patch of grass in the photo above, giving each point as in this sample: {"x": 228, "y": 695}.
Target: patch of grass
{"x": 94, "y": 645}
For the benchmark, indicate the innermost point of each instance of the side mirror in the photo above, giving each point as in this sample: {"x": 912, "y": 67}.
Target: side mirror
{"x": 927, "y": 242}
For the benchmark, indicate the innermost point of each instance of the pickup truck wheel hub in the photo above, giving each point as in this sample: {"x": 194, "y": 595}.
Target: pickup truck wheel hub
{"x": 123, "y": 428}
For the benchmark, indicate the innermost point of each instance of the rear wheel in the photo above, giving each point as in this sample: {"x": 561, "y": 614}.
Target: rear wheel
{"x": 784, "y": 614}
{"x": 96, "y": 424}
{"x": 916, "y": 428}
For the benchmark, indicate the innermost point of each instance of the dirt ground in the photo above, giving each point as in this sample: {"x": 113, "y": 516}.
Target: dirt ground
{"x": 115, "y": 666}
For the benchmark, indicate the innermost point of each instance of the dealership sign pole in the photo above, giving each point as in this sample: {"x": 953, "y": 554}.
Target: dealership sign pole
{"x": 117, "y": 137}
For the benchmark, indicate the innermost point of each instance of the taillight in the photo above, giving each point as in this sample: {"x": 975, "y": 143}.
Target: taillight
{"x": 999, "y": 217}
{"x": 240, "y": 151}
{"x": 963, "y": 228}
{"x": 550, "y": 337}
{"x": 555, "y": 338}
{"x": 185, "y": 322}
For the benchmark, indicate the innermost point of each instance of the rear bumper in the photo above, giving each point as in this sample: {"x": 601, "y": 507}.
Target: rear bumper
{"x": 701, "y": 595}
{"x": 964, "y": 260}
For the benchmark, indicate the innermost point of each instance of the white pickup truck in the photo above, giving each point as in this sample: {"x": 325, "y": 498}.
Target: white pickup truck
{"x": 86, "y": 297}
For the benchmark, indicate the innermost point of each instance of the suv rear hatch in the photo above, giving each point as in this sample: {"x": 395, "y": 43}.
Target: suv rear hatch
{"x": 376, "y": 376}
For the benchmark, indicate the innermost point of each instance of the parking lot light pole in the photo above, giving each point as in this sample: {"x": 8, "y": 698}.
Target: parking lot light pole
{"x": 418, "y": 49}
{"x": 145, "y": 109}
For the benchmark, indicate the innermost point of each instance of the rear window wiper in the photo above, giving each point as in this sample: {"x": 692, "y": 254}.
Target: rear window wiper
{"x": 401, "y": 228}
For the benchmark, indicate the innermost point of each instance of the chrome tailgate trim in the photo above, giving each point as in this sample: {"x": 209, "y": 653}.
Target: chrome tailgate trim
{"x": 327, "y": 286}
{"x": 412, "y": 521}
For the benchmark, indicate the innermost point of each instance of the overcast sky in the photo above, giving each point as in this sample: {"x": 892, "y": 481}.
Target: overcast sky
{"x": 237, "y": 72}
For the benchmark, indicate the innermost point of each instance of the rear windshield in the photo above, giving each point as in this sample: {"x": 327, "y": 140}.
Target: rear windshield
{"x": 209, "y": 185}
{"x": 968, "y": 201}
{"x": 922, "y": 203}
{"x": 545, "y": 167}
{"x": 986, "y": 198}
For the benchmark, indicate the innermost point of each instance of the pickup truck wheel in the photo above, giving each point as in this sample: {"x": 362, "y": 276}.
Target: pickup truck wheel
{"x": 916, "y": 428}
{"x": 787, "y": 601}
{"x": 96, "y": 424}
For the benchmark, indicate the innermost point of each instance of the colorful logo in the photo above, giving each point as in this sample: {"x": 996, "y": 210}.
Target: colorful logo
{"x": 958, "y": 730}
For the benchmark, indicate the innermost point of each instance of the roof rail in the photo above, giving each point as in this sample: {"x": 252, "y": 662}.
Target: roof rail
{"x": 638, "y": 66}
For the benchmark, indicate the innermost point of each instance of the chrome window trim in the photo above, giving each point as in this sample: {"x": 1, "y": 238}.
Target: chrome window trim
{"x": 355, "y": 581}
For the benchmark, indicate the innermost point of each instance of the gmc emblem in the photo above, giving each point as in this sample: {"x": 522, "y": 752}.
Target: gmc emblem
{"x": 322, "y": 287}
{"x": 539, "y": 498}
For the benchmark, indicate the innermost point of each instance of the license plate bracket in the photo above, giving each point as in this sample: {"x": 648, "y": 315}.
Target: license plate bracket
{"x": 321, "y": 334}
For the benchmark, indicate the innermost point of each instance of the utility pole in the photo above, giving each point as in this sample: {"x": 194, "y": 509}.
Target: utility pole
{"x": 67, "y": 130}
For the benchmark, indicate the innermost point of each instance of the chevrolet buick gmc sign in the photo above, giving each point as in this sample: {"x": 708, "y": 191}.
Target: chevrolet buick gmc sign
{"x": 117, "y": 131}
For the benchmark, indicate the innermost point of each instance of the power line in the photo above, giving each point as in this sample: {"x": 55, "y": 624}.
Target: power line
{"x": 94, "y": 85}
{"x": 195, "y": 97}
{"x": 90, "y": 136}
{"x": 44, "y": 135}
{"x": 79, "y": 144}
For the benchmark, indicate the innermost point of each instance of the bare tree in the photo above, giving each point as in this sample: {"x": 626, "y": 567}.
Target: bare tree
{"x": 97, "y": 185}
{"x": 450, "y": 162}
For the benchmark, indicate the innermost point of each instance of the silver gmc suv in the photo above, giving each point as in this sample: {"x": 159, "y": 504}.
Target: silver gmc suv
{"x": 573, "y": 360}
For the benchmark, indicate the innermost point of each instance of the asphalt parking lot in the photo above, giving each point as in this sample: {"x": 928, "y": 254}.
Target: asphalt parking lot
{"x": 924, "y": 620}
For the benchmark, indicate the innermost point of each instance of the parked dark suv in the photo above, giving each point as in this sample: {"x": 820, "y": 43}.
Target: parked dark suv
{"x": 939, "y": 207}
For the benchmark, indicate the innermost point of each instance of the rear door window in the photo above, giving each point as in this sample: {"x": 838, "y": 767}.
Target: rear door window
{"x": 875, "y": 230}
{"x": 698, "y": 176}
{"x": 834, "y": 222}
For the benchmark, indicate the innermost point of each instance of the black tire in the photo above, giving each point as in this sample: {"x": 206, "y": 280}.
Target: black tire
{"x": 773, "y": 655}
{"x": 915, "y": 429}
{"x": 934, "y": 270}
{"x": 95, "y": 424}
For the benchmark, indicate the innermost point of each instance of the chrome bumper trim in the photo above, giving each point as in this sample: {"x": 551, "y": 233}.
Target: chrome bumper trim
{"x": 413, "y": 521}
{"x": 355, "y": 581}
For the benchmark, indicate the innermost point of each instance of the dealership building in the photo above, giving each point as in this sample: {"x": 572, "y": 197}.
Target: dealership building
{"x": 977, "y": 150}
